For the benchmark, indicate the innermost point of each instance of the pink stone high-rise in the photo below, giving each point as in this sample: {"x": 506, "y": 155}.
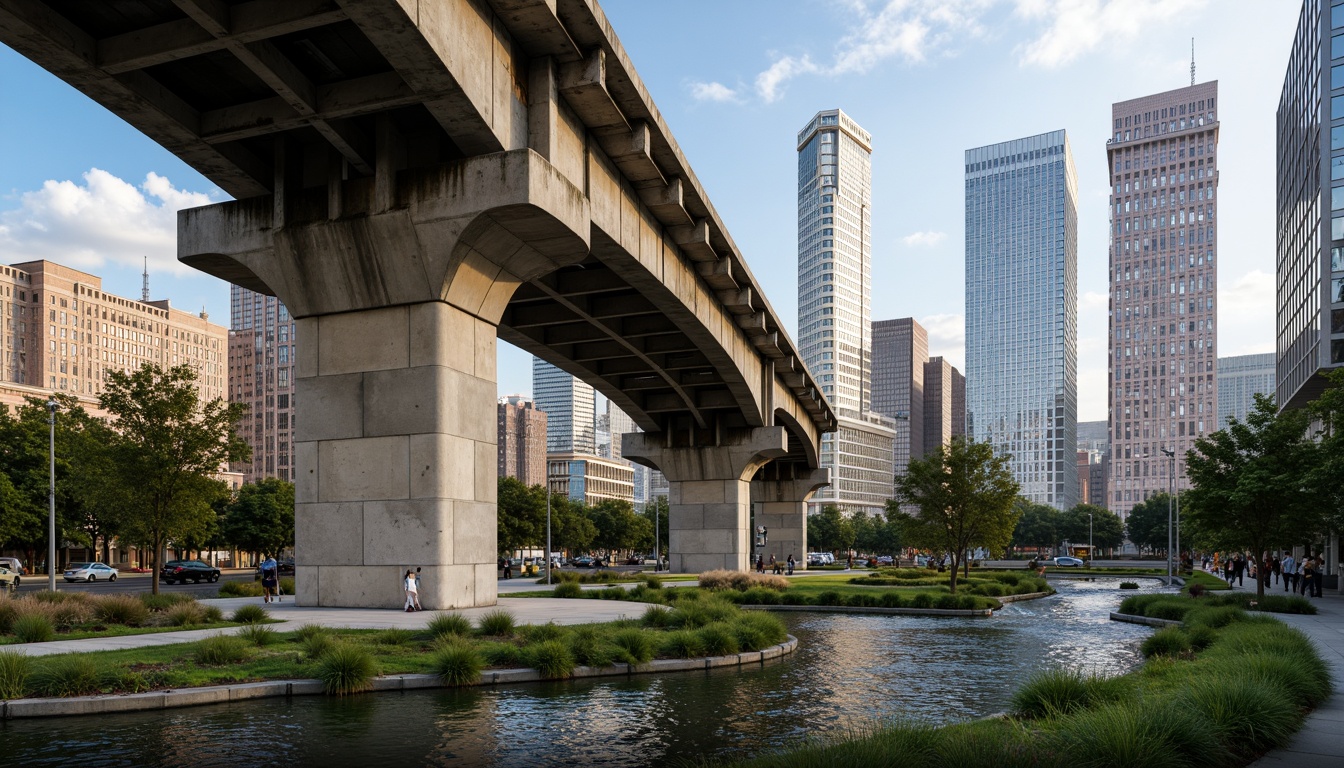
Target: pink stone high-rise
{"x": 1163, "y": 392}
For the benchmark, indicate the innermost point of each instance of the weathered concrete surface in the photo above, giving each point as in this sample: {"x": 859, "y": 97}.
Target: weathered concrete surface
{"x": 781, "y": 507}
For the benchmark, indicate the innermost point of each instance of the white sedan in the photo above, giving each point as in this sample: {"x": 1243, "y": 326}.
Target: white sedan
{"x": 1069, "y": 562}
{"x": 90, "y": 572}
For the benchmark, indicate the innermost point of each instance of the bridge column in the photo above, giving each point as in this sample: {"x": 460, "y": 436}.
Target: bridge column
{"x": 782, "y": 509}
{"x": 710, "y": 493}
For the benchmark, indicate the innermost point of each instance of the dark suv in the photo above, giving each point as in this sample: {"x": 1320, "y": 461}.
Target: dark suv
{"x": 182, "y": 571}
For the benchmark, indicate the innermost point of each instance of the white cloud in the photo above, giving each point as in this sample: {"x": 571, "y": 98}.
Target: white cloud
{"x": 103, "y": 221}
{"x": 1076, "y": 27}
{"x": 1246, "y": 315}
{"x": 923, "y": 239}
{"x": 768, "y": 82}
{"x": 713, "y": 91}
{"x": 947, "y": 337}
{"x": 1093, "y": 300}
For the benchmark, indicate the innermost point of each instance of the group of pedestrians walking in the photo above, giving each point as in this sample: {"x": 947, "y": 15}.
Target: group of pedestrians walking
{"x": 1304, "y": 576}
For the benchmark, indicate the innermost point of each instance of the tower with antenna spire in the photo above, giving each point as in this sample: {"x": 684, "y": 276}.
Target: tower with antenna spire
{"x": 144, "y": 282}
{"x": 1192, "y": 61}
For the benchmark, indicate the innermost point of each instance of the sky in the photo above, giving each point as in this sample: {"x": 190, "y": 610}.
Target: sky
{"x": 735, "y": 80}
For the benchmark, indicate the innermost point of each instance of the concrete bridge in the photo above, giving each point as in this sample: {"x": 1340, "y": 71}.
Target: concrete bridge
{"x": 415, "y": 179}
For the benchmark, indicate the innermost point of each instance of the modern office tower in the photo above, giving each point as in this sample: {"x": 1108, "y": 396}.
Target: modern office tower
{"x": 1094, "y": 441}
{"x": 1310, "y": 248}
{"x": 1240, "y": 379}
{"x": 569, "y": 404}
{"x": 589, "y": 479}
{"x": 1094, "y": 436}
{"x": 1022, "y": 310}
{"x": 262, "y": 344}
{"x": 521, "y": 440}
{"x": 944, "y": 400}
{"x": 834, "y": 287}
{"x": 63, "y": 333}
{"x": 1162, "y": 393}
{"x": 900, "y": 349}
{"x": 610, "y": 426}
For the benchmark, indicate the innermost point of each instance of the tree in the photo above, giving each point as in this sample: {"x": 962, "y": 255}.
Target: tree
{"x": 522, "y": 515}
{"x": 964, "y": 497}
{"x": 1250, "y": 481}
{"x": 1037, "y": 526}
{"x": 168, "y": 444}
{"x": 1106, "y": 530}
{"x": 261, "y": 518}
{"x": 660, "y": 508}
{"x": 1325, "y": 474}
{"x": 617, "y": 525}
{"x": 1146, "y": 524}
{"x": 829, "y": 530}
{"x": 571, "y": 527}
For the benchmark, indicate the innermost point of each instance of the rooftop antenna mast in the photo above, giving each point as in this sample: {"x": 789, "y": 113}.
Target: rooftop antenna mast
{"x": 144, "y": 282}
{"x": 1192, "y": 61}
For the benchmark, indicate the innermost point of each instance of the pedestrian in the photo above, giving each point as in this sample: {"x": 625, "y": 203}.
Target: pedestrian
{"x": 1275, "y": 567}
{"x": 1289, "y": 566}
{"x": 1319, "y": 582}
{"x": 270, "y": 578}
{"x": 849, "y": 562}
{"x": 774, "y": 564}
{"x": 408, "y": 584}
{"x": 508, "y": 568}
{"x": 790, "y": 563}
{"x": 417, "y": 589}
{"x": 1306, "y": 588}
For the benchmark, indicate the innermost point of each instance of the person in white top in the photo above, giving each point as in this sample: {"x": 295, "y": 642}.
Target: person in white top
{"x": 1289, "y": 572}
{"x": 412, "y": 590}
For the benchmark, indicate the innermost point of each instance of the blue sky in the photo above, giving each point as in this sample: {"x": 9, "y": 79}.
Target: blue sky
{"x": 735, "y": 81}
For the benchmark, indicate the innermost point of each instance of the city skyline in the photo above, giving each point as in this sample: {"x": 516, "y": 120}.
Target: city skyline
{"x": 735, "y": 108}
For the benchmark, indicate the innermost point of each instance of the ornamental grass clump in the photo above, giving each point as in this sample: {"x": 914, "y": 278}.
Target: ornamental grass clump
{"x": 1170, "y": 641}
{"x": 1062, "y": 691}
{"x": 33, "y": 627}
{"x": 346, "y": 669}
{"x": 185, "y": 614}
{"x": 308, "y": 630}
{"x": 1136, "y": 733}
{"x": 164, "y": 600}
{"x": 999, "y": 743}
{"x": 457, "y": 663}
{"x": 496, "y": 623}
{"x": 568, "y": 589}
{"x": 71, "y": 613}
{"x": 258, "y": 635}
{"x": 681, "y": 644}
{"x": 719, "y": 639}
{"x": 506, "y": 655}
{"x": 589, "y": 648}
{"x": 73, "y": 675}
{"x": 551, "y": 658}
{"x": 316, "y": 646}
{"x": 741, "y": 580}
{"x": 1215, "y": 617}
{"x": 14, "y": 671}
{"x": 394, "y": 637}
{"x": 251, "y": 614}
{"x": 633, "y": 645}
{"x": 1245, "y": 714}
{"x": 220, "y": 650}
{"x": 538, "y": 633}
{"x": 449, "y": 625}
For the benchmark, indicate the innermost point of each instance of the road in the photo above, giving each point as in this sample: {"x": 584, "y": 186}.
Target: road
{"x": 128, "y": 583}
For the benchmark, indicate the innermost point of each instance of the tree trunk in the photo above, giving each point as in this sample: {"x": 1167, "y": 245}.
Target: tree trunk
{"x": 952, "y": 582}
{"x": 967, "y": 560}
{"x": 156, "y": 563}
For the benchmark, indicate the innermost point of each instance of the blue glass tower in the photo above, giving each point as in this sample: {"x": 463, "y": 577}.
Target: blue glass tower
{"x": 1022, "y": 310}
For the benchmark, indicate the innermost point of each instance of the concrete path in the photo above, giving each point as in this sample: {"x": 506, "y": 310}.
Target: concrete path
{"x": 530, "y": 611}
{"x": 1318, "y": 744}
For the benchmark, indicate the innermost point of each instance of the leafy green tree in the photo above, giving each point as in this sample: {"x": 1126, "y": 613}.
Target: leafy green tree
{"x": 660, "y": 508}
{"x": 571, "y": 527}
{"x": 1107, "y": 532}
{"x": 618, "y": 527}
{"x": 1037, "y": 526}
{"x": 964, "y": 497}
{"x": 1146, "y": 524}
{"x": 1324, "y": 476}
{"x": 168, "y": 445}
{"x": 261, "y": 518}
{"x": 522, "y": 515}
{"x": 829, "y": 530}
{"x": 1250, "y": 481}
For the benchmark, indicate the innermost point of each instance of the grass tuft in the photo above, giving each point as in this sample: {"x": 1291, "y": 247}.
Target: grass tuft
{"x": 1062, "y": 691}
{"x": 346, "y": 669}
{"x": 496, "y": 623}
{"x": 33, "y": 628}
{"x": 73, "y": 675}
{"x": 14, "y": 671}
{"x": 457, "y": 664}
{"x": 219, "y": 650}
{"x": 551, "y": 658}
{"x": 449, "y": 625}
{"x": 258, "y": 635}
{"x": 251, "y": 614}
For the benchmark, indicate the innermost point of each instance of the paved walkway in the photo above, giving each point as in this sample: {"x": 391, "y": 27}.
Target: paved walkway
{"x": 1318, "y": 744}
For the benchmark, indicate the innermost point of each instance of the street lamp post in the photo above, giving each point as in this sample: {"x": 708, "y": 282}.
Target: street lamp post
{"x": 51, "y": 501}
{"x": 1091, "y": 553}
{"x": 548, "y": 535}
{"x": 1170, "y": 453}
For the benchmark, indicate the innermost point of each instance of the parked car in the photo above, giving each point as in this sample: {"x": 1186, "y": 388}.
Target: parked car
{"x": 182, "y": 571}
{"x": 921, "y": 561}
{"x": 90, "y": 572}
{"x": 9, "y": 580}
{"x": 816, "y": 559}
{"x": 884, "y": 560}
{"x": 13, "y": 565}
{"x": 582, "y": 562}
{"x": 1064, "y": 561}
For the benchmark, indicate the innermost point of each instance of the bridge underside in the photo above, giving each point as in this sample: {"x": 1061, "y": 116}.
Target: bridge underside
{"x": 414, "y": 184}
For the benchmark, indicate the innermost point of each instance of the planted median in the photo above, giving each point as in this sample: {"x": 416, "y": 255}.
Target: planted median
{"x": 46, "y": 616}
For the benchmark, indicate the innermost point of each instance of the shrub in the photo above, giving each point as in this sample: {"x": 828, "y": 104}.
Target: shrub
{"x": 1247, "y": 715}
{"x": 219, "y": 650}
{"x": 682, "y": 644}
{"x": 540, "y": 633}
{"x": 1062, "y": 691}
{"x": 741, "y": 580}
{"x": 588, "y": 648}
{"x": 33, "y": 627}
{"x": 1196, "y": 589}
{"x": 793, "y": 598}
{"x": 346, "y": 669}
{"x": 1171, "y": 641}
{"x": 309, "y": 630}
{"x": 14, "y": 671}
{"x": 656, "y": 616}
{"x": 502, "y": 654}
{"x": 634, "y": 646}
{"x": 316, "y": 646}
{"x": 653, "y": 582}
{"x": 921, "y": 600}
{"x": 612, "y": 592}
{"x": 257, "y": 635}
{"x": 551, "y": 658}
{"x": 767, "y": 629}
{"x": 72, "y": 675}
{"x": 864, "y": 600}
{"x": 185, "y": 614}
{"x": 496, "y": 623}
{"x": 70, "y": 613}
{"x": 449, "y": 624}
{"x": 212, "y": 614}
{"x": 568, "y": 589}
{"x": 1138, "y": 733}
{"x": 1129, "y": 585}
{"x": 457, "y": 664}
{"x": 830, "y": 597}
{"x": 1172, "y": 608}
{"x": 718, "y": 639}
{"x": 892, "y": 600}
{"x": 394, "y": 637}
{"x": 250, "y": 614}
{"x": 240, "y": 589}
{"x": 1216, "y": 617}
{"x": 760, "y": 596}
{"x": 164, "y": 600}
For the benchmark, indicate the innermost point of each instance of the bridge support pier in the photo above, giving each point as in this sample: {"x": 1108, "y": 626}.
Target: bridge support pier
{"x": 709, "y": 513}
{"x": 782, "y": 509}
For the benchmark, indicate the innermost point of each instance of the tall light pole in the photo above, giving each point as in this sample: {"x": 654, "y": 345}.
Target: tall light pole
{"x": 548, "y": 532}
{"x": 1091, "y": 553}
{"x": 657, "y": 539}
{"x": 1170, "y": 453}
{"x": 51, "y": 501}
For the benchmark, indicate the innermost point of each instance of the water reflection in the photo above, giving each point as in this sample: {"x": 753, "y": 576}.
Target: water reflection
{"x": 849, "y": 671}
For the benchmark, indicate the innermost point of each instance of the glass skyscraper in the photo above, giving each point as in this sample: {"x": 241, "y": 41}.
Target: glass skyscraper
{"x": 1022, "y": 310}
{"x": 1310, "y": 247}
{"x": 834, "y": 300}
{"x": 1240, "y": 379}
{"x": 569, "y": 404}
{"x": 262, "y": 358}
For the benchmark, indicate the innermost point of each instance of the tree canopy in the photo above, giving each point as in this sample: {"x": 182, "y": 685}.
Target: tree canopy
{"x": 830, "y": 530}
{"x": 1037, "y": 526}
{"x": 964, "y": 496}
{"x": 261, "y": 518}
{"x": 1106, "y": 532}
